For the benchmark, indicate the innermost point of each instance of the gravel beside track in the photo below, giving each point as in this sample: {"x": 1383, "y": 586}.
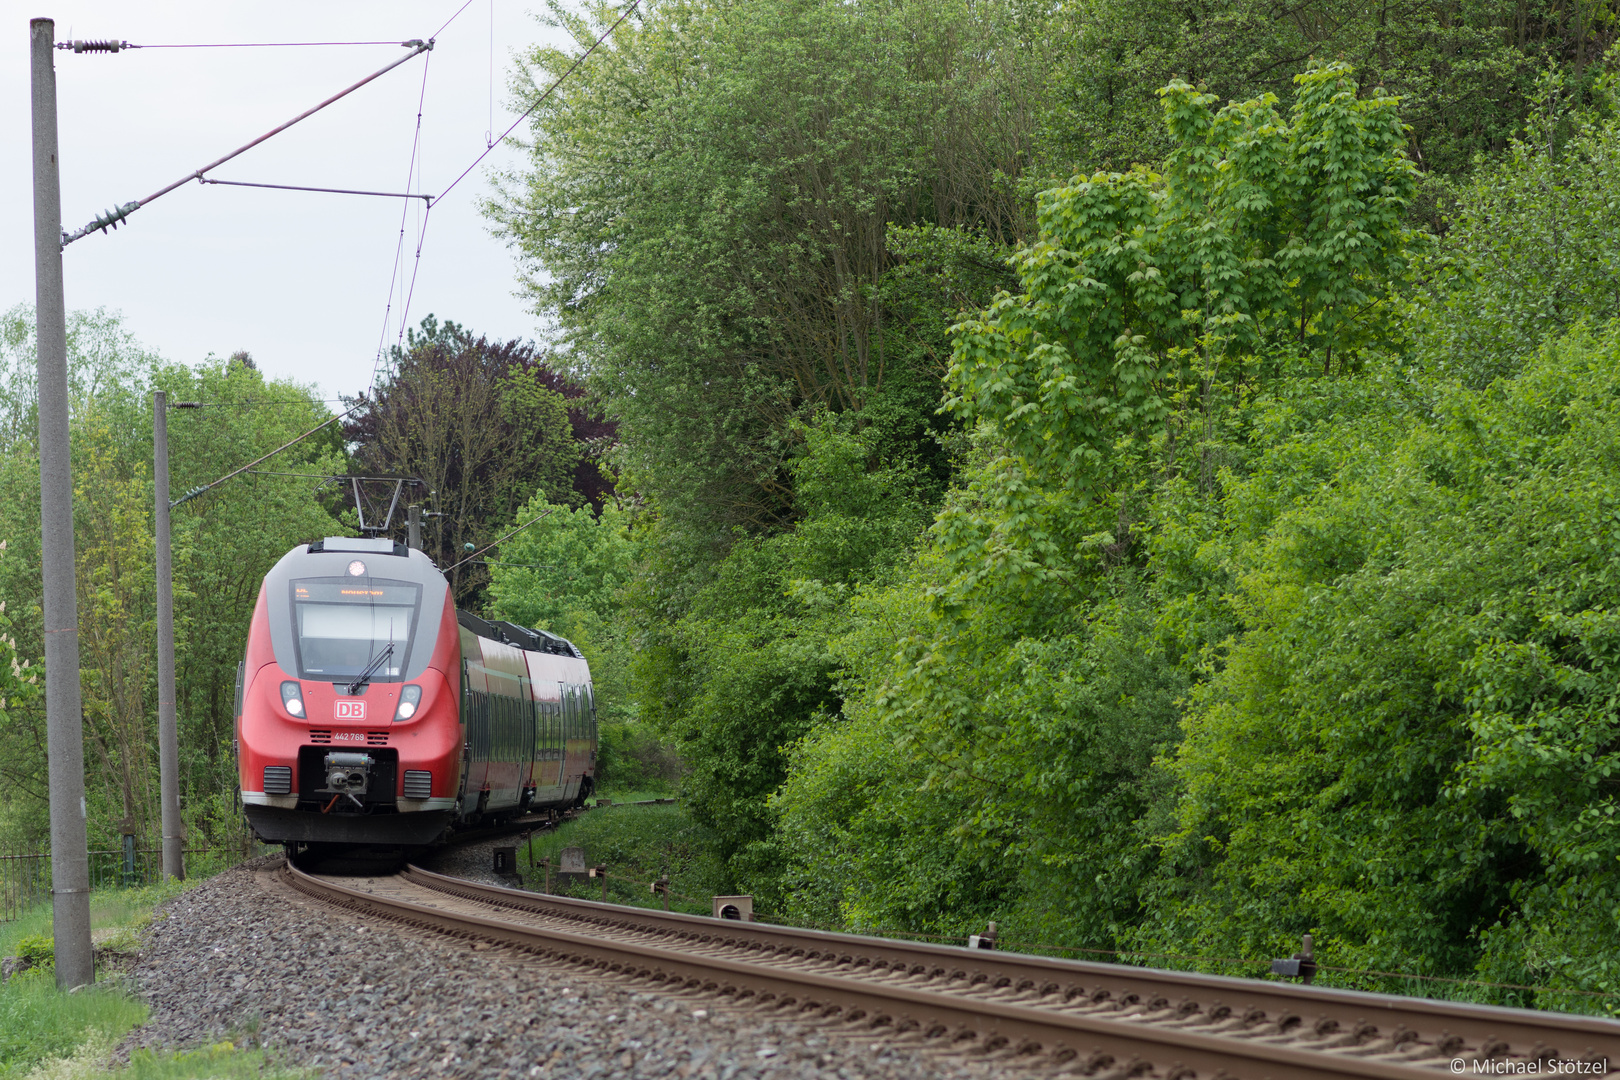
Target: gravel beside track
{"x": 244, "y": 954}
{"x": 473, "y": 861}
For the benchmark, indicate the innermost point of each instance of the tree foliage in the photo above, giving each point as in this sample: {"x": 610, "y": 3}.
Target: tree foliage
{"x": 1465, "y": 72}
{"x": 224, "y": 543}
{"x": 707, "y": 211}
{"x": 1529, "y": 249}
{"x": 484, "y": 426}
{"x": 1201, "y": 660}
{"x": 1171, "y": 559}
{"x": 1260, "y": 230}
{"x": 747, "y": 669}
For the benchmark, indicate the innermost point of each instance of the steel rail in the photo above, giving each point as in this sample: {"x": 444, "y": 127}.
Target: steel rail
{"x": 1436, "y": 1022}
{"x": 961, "y": 1022}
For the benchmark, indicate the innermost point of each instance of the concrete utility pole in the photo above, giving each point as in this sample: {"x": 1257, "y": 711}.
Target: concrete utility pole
{"x": 413, "y": 527}
{"x": 168, "y": 728}
{"x": 64, "y": 723}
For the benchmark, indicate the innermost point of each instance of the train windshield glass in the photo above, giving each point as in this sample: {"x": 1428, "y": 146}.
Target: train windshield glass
{"x": 343, "y": 626}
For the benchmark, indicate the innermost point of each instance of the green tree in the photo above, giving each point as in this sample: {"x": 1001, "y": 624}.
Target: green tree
{"x": 747, "y": 668}
{"x": 1144, "y": 286}
{"x": 21, "y": 741}
{"x": 1464, "y": 72}
{"x": 227, "y": 540}
{"x": 1409, "y": 744}
{"x": 1529, "y": 247}
{"x": 706, "y": 214}
{"x": 224, "y": 542}
{"x": 480, "y": 424}
{"x": 566, "y": 573}
{"x": 106, "y": 366}
{"x": 1028, "y": 704}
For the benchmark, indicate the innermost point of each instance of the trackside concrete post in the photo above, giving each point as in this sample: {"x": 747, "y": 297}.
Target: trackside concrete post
{"x": 64, "y": 724}
{"x": 174, "y": 866}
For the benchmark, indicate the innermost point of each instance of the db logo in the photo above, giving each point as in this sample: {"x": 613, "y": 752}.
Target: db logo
{"x": 350, "y": 710}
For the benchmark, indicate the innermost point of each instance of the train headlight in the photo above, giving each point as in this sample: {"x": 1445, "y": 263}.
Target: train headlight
{"x": 292, "y": 698}
{"x": 409, "y": 699}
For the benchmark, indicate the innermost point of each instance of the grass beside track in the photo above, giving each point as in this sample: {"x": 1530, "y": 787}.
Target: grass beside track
{"x": 637, "y": 844}
{"x": 46, "y": 1034}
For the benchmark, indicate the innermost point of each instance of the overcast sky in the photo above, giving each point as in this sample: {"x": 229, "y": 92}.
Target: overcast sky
{"x": 299, "y": 280}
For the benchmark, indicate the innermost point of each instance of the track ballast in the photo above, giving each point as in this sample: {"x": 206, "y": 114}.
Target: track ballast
{"x": 1024, "y": 1012}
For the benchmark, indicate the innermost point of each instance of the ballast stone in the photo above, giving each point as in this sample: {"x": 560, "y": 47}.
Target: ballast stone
{"x": 235, "y": 960}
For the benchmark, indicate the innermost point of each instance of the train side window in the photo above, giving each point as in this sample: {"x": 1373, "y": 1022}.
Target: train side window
{"x": 506, "y": 729}
{"x": 483, "y": 726}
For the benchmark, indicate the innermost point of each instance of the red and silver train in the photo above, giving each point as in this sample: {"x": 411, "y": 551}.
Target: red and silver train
{"x": 370, "y": 711}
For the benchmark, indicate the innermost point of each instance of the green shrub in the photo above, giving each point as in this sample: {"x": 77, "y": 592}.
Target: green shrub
{"x": 38, "y": 950}
{"x": 631, "y": 757}
{"x": 639, "y": 844}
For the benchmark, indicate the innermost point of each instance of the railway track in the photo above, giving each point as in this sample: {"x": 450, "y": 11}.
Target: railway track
{"x": 1021, "y": 1012}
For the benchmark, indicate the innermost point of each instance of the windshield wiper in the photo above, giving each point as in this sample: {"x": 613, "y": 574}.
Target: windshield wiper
{"x": 376, "y": 662}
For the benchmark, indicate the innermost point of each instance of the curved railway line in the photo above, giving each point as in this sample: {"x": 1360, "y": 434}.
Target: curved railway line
{"x": 1020, "y": 1012}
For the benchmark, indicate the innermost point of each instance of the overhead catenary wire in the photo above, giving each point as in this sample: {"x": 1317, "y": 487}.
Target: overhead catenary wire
{"x": 453, "y": 18}
{"x": 110, "y": 218}
{"x": 427, "y": 214}
{"x": 333, "y": 476}
{"x": 326, "y": 190}
{"x": 252, "y": 404}
{"x": 541, "y": 100}
{"x": 492, "y": 543}
{"x": 81, "y": 46}
{"x": 399, "y": 247}
{"x": 205, "y": 488}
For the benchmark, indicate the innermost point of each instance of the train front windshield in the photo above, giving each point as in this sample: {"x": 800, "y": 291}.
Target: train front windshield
{"x": 344, "y": 626}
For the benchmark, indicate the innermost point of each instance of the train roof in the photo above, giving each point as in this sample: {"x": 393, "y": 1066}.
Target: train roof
{"x": 519, "y": 637}
{"x": 360, "y": 545}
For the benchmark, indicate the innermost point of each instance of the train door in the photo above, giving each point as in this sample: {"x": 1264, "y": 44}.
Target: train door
{"x": 528, "y": 738}
{"x": 466, "y": 739}
{"x": 506, "y": 770}
{"x": 591, "y": 736}
{"x": 570, "y": 696}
